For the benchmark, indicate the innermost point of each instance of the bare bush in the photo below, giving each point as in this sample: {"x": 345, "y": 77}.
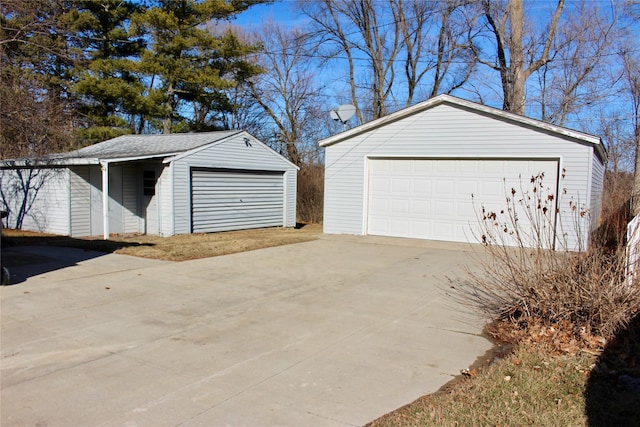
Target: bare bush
{"x": 524, "y": 281}
{"x": 310, "y": 203}
{"x": 616, "y": 212}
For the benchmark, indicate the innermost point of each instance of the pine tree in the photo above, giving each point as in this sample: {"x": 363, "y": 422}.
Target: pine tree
{"x": 110, "y": 88}
{"x": 189, "y": 64}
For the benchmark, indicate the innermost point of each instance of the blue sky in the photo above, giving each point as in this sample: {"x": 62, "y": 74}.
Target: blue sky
{"x": 281, "y": 11}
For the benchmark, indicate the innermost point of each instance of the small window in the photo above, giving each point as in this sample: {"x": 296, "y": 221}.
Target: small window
{"x": 149, "y": 183}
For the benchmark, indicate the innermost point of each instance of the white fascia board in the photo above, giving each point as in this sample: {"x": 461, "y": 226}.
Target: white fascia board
{"x": 135, "y": 158}
{"x": 33, "y": 163}
{"x": 75, "y": 161}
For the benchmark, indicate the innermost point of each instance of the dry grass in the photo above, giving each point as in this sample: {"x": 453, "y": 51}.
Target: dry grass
{"x": 174, "y": 248}
{"x": 547, "y": 380}
{"x": 527, "y": 387}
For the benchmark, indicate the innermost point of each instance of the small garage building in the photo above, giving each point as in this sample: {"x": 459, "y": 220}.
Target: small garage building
{"x": 428, "y": 170}
{"x": 154, "y": 184}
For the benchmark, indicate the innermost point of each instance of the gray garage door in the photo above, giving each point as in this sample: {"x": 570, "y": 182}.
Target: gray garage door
{"x": 223, "y": 200}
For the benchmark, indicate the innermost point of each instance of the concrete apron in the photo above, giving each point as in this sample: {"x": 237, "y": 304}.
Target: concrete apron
{"x": 334, "y": 332}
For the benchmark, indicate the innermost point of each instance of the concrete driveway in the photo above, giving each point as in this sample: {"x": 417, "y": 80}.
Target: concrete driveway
{"x": 334, "y": 332}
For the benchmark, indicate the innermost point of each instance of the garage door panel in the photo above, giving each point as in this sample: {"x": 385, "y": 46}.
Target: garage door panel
{"x": 443, "y": 209}
{"x": 381, "y": 183}
{"x": 400, "y": 207}
{"x": 443, "y": 166}
{"x": 421, "y": 207}
{"x": 465, "y": 209}
{"x": 442, "y": 186}
{"x": 423, "y": 167}
{"x": 466, "y": 188}
{"x": 422, "y": 186}
{"x": 439, "y": 204}
{"x": 400, "y": 167}
{"x": 401, "y": 185}
{"x": 235, "y": 200}
{"x": 400, "y": 227}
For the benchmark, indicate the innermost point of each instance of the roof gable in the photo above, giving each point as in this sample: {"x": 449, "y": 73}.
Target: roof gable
{"x": 473, "y": 107}
{"x": 246, "y": 139}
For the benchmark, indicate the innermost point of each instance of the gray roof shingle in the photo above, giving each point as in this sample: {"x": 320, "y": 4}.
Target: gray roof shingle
{"x": 133, "y": 146}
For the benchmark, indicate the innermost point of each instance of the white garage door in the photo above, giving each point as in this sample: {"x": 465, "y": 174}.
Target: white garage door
{"x": 432, "y": 199}
{"x": 235, "y": 200}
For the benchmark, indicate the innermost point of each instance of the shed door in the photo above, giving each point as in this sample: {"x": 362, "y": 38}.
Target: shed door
{"x": 432, "y": 199}
{"x": 223, "y": 200}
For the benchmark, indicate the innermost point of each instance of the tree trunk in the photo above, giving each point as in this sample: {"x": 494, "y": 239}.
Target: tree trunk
{"x": 168, "y": 113}
{"x": 516, "y": 63}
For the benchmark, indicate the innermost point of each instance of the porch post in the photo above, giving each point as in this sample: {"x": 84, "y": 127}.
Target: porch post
{"x": 105, "y": 198}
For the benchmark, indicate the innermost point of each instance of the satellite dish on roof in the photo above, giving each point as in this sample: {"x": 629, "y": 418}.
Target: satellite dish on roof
{"x": 343, "y": 113}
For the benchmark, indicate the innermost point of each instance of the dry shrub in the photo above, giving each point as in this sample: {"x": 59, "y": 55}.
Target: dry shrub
{"x": 616, "y": 210}
{"x": 525, "y": 283}
{"x": 310, "y": 200}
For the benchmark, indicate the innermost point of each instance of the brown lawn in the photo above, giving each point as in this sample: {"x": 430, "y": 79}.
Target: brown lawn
{"x": 174, "y": 248}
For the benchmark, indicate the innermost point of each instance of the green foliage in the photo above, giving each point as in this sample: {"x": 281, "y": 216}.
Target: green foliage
{"x": 110, "y": 89}
{"x": 193, "y": 65}
{"x": 109, "y": 67}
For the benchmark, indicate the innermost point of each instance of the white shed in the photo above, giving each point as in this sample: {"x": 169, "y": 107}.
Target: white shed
{"x": 426, "y": 172}
{"x": 156, "y": 184}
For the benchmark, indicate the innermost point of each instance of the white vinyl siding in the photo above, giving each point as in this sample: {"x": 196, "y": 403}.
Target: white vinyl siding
{"x": 80, "y": 201}
{"x": 233, "y": 153}
{"x": 597, "y": 183}
{"x": 130, "y": 184}
{"x": 235, "y": 200}
{"x": 446, "y": 131}
{"x": 163, "y": 194}
{"x": 95, "y": 181}
{"x": 116, "y": 210}
{"x": 47, "y": 201}
{"x": 291, "y": 183}
{"x": 442, "y": 199}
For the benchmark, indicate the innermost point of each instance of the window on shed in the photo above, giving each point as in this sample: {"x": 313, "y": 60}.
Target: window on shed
{"x": 149, "y": 183}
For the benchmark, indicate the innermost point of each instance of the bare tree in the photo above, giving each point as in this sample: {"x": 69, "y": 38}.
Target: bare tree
{"x": 32, "y": 123}
{"x": 519, "y": 50}
{"x": 577, "y": 73}
{"x": 396, "y": 52}
{"x": 631, "y": 77}
{"x": 353, "y": 28}
{"x": 37, "y": 109}
{"x": 436, "y": 44}
{"x": 288, "y": 93}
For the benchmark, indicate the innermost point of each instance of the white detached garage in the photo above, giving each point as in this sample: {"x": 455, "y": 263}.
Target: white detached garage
{"x": 154, "y": 184}
{"x": 426, "y": 172}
